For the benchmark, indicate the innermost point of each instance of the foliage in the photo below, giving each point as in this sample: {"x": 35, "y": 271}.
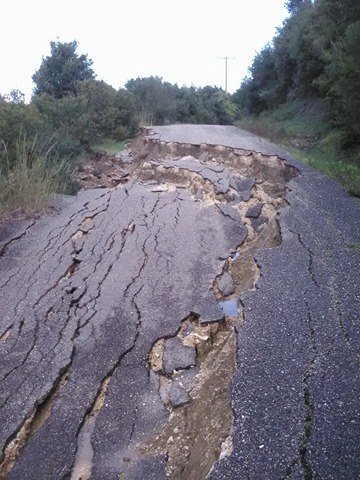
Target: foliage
{"x": 71, "y": 111}
{"x": 293, "y": 5}
{"x": 97, "y": 111}
{"x": 258, "y": 91}
{"x": 158, "y": 102}
{"x": 17, "y": 119}
{"x": 152, "y": 96}
{"x": 314, "y": 56}
{"x": 126, "y": 123}
{"x": 60, "y": 72}
{"x": 342, "y": 79}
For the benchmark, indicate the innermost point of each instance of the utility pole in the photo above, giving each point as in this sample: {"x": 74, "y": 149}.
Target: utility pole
{"x": 226, "y": 66}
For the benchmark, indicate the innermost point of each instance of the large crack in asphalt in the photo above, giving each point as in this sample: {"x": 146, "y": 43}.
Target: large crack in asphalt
{"x": 128, "y": 300}
{"x": 31, "y": 425}
{"x": 191, "y": 446}
{"x": 8, "y": 236}
{"x": 318, "y": 356}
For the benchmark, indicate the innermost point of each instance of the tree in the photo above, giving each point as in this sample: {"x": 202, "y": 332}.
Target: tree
{"x": 154, "y": 99}
{"x": 15, "y": 96}
{"x": 18, "y": 121}
{"x": 60, "y": 73}
{"x": 258, "y": 92}
{"x": 343, "y": 79}
{"x": 285, "y": 64}
{"x": 307, "y": 44}
{"x": 214, "y": 106}
{"x": 97, "y": 111}
{"x": 126, "y": 124}
{"x": 293, "y": 5}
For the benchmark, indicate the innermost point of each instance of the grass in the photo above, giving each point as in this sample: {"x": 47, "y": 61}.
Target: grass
{"x": 111, "y": 147}
{"x": 302, "y": 129}
{"x": 33, "y": 175}
{"x": 342, "y": 167}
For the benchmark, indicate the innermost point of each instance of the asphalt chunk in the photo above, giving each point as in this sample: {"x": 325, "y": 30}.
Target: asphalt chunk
{"x": 177, "y": 356}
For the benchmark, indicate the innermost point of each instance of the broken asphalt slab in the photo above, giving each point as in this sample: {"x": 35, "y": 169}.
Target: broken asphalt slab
{"x": 177, "y": 356}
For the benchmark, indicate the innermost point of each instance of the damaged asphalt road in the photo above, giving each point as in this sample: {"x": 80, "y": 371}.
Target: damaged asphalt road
{"x": 117, "y": 361}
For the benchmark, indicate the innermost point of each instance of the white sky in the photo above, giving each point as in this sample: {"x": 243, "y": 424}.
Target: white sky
{"x": 177, "y": 40}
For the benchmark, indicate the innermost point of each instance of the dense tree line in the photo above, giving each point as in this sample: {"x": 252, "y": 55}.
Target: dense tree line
{"x": 315, "y": 54}
{"x": 161, "y": 102}
{"x": 75, "y": 110}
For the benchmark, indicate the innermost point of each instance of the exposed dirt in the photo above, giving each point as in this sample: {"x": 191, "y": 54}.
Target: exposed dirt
{"x": 199, "y": 432}
{"x": 144, "y": 156}
{"x": 103, "y": 171}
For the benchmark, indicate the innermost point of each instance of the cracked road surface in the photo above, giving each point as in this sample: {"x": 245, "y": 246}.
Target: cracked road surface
{"x": 117, "y": 361}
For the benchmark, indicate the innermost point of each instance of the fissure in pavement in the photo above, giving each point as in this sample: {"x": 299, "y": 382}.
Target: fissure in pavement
{"x": 197, "y": 394}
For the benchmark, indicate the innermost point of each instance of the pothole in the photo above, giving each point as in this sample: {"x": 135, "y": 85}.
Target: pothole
{"x": 194, "y": 371}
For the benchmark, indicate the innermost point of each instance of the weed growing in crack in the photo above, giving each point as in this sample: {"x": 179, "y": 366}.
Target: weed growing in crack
{"x": 354, "y": 246}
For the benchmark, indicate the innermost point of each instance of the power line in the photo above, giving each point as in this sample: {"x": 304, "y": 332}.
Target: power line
{"x": 226, "y": 68}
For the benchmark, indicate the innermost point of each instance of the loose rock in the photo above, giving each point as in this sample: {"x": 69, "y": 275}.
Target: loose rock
{"x": 254, "y": 211}
{"x": 258, "y": 222}
{"x": 226, "y": 284}
{"x": 228, "y": 211}
{"x": 178, "y": 395}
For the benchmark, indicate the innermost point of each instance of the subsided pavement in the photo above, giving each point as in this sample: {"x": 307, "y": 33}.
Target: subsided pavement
{"x": 119, "y": 358}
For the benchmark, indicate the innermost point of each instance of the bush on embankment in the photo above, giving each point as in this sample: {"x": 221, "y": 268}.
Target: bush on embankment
{"x": 304, "y": 129}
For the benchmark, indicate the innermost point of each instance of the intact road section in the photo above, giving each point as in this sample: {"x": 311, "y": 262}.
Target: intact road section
{"x": 192, "y": 313}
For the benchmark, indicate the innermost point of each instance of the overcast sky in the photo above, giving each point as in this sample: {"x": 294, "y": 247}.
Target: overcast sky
{"x": 179, "y": 41}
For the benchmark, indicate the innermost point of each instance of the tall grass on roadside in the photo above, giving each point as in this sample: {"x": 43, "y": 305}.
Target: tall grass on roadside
{"x": 344, "y": 170}
{"x": 31, "y": 177}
